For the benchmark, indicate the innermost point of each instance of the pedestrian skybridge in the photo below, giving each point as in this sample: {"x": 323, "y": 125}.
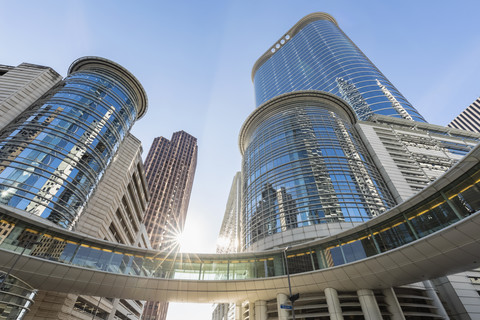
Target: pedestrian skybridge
{"x": 435, "y": 233}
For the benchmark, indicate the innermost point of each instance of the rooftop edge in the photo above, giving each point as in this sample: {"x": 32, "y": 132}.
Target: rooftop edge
{"x": 90, "y": 62}
{"x": 291, "y": 33}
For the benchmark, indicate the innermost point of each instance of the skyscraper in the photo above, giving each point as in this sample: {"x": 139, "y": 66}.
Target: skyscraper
{"x": 331, "y": 144}
{"x": 21, "y": 86}
{"x": 315, "y": 54}
{"x": 305, "y": 166}
{"x": 229, "y": 239}
{"x": 84, "y": 118}
{"x": 170, "y": 169}
{"x": 468, "y": 119}
{"x": 66, "y": 155}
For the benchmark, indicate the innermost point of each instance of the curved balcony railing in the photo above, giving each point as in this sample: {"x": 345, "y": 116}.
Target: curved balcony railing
{"x": 452, "y": 198}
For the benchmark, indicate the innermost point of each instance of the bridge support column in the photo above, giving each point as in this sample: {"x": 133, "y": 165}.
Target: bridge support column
{"x": 282, "y": 313}
{"x": 251, "y": 310}
{"x": 393, "y": 305}
{"x": 432, "y": 294}
{"x": 333, "y": 303}
{"x": 260, "y": 310}
{"x": 369, "y": 304}
{"x": 243, "y": 311}
{"x": 238, "y": 312}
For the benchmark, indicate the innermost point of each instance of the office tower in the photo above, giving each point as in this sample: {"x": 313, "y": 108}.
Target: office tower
{"x": 229, "y": 236}
{"x": 114, "y": 213}
{"x": 301, "y": 60}
{"x": 229, "y": 239}
{"x": 468, "y": 119}
{"x": 21, "y": 86}
{"x": 305, "y": 166}
{"x": 170, "y": 169}
{"x": 331, "y": 145}
{"x": 84, "y": 118}
{"x": 66, "y": 155}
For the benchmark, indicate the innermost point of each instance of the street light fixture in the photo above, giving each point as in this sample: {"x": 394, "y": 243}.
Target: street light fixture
{"x": 291, "y": 297}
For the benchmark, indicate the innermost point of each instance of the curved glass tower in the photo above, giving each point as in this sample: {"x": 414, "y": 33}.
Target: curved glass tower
{"x": 304, "y": 164}
{"x": 53, "y": 155}
{"x": 316, "y": 55}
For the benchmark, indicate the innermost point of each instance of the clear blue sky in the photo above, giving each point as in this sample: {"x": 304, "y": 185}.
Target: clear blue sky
{"x": 194, "y": 59}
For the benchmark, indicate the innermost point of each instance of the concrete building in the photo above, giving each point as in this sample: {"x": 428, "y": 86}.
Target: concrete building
{"x": 468, "y": 119}
{"x": 229, "y": 239}
{"x": 170, "y": 168}
{"x": 93, "y": 183}
{"x": 21, "y": 86}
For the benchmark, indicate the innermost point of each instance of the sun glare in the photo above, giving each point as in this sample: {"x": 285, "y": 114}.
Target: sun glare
{"x": 180, "y": 240}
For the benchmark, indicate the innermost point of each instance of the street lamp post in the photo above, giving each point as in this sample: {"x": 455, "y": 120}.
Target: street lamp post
{"x": 291, "y": 297}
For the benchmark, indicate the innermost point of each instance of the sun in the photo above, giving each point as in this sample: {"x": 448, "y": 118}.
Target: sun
{"x": 180, "y": 240}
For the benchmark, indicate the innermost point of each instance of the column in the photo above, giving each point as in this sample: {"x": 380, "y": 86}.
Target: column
{"x": 435, "y": 299}
{"x": 282, "y": 313}
{"x": 238, "y": 312}
{"x": 369, "y": 304}
{"x": 243, "y": 310}
{"x": 333, "y": 304}
{"x": 260, "y": 310}
{"x": 393, "y": 305}
{"x": 251, "y": 310}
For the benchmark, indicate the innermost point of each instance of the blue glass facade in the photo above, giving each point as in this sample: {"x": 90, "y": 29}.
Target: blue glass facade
{"x": 53, "y": 155}
{"x": 316, "y": 55}
{"x": 304, "y": 164}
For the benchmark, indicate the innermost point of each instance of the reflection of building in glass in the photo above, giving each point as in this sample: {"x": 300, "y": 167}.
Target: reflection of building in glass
{"x": 304, "y": 166}
{"x": 315, "y": 54}
{"x": 5, "y": 229}
{"x": 8, "y": 154}
{"x": 170, "y": 169}
{"x": 54, "y": 152}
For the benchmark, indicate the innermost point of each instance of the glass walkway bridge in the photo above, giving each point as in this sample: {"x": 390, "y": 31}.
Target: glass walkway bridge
{"x": 432, "y": 234}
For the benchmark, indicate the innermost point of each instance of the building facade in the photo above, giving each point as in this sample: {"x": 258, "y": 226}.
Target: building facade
{"x": 468, "y": 119}
{"x": 301, "y": 60}
{"x": 305, "y": 166}
{"x": 229, "y": 239}
{"x": 66, "y": 155}
{"x": 330, "y": 145}
{"x": 170, "y": 168}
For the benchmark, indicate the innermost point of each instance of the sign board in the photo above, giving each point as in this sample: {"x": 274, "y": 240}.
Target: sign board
{"x": 284, "y": 306}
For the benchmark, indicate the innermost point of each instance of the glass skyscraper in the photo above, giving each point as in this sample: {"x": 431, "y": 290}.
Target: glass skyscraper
{"x": 53, "y": 155}
{"x": 304, "y": 164}
{"x": 315, "y": 54}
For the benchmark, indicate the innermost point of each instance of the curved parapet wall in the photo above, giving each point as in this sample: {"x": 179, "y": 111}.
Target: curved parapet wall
{"x": 291, "y": 33}
{"x": 54, "y": 154}
{"x": 121, "y": 74}
{"x": 432, "y": 234}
